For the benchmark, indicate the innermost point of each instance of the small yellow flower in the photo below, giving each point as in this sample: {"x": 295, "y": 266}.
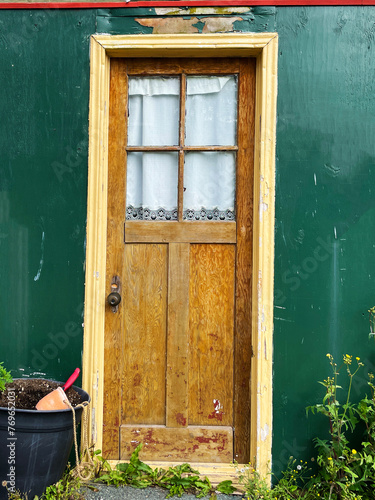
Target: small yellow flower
{"x": 330, "y": 458}
{"x": 347, "y": 359}
{"x": 357, "y": 358}
{"x": 354, "y": 452}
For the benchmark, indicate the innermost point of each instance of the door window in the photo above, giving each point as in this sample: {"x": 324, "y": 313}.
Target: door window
{"x": 181, "y": 148}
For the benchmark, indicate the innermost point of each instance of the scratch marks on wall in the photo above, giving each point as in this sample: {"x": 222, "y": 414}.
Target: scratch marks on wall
{"x": 340, "y": 23}
{"x": 37, "y": 276}
{"x": 298, "y": 23}
{"x": 369, "y": 34}
{"x": 331, "y": 170}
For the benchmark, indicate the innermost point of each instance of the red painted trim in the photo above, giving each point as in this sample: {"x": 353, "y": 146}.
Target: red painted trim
{"x": 180, "y": 3}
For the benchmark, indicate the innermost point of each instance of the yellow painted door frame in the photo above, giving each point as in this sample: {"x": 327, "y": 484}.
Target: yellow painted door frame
{"x": 262, "y": 46}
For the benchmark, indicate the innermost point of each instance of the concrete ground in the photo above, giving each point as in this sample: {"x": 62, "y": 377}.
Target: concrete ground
{"x": 127, "y": 493}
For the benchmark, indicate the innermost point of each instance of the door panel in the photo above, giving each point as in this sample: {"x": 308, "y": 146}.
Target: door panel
{"x": 211, "y": 324}
{"x": 144, "y": 336}
{"x": 190, "y": 444}
{"x": 178, "y": 330}
{"x": 178, "y": 348}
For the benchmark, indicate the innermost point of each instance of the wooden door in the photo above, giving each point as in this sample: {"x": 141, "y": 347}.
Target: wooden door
{"x": 178, "y": 347}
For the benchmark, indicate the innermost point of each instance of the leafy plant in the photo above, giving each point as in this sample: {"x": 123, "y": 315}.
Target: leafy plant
{"x": 344, "y": 472}
{"x": 226, "y": 487}
{"x": 5, "y": 377}
{"x": 68, "y": 488}
{"x": 178, "y": 479}
{"x": 254, "y": 485}
{"x": 293, "y": 480}
{"x": 289, "y": 486}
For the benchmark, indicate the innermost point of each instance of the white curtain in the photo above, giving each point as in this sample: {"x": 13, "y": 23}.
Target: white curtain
{"x": 209, "y": 177}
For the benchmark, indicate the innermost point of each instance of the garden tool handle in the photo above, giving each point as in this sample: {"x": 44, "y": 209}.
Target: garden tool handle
{"x": 71, "y": 379}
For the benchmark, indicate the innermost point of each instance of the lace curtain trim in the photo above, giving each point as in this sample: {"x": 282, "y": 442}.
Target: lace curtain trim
{"x": 140, "y": 213}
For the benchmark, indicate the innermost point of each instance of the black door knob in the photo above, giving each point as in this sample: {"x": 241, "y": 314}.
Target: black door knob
{"x": 114, "y": 299}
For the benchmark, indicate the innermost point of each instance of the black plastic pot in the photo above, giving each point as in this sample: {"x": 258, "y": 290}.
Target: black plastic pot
{"x": 37, "y": 454}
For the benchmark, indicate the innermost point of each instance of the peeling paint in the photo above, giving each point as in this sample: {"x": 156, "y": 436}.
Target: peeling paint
{"x": 93, "y": 425}
{"x": 195, "y": 11}
{"x": 95, "y": 398}
{"x": 217, "y": 413}
{"x": 265, "y": 349}
{"x": 180, "y": 419}
{"x": 262, "y": 208}
{"x": 192, "y": 25}
{"x": 264, "y": 432}
{"x": 259, "y": 289}
{"x": 174, "y": 25}
{"x": 219, "y": 24}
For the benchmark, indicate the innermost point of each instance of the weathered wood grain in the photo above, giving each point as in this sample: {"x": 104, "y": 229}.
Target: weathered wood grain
{"x": 173, "y": 66}
{"x": 181, "y": 156}
{"x": 211, "y": 324}
{"x": 180, "y": 232}
{"x": 244, "y": 257}
{"x": 144, "y": 335}
{"x": 115, "y": 248}
{"x": 193, "y": 443}
{"x": 178, "y": 330}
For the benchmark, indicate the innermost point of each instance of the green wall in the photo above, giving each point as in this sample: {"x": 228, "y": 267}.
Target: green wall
{"x": 325, "y": 210}
{"x": 44, "y": 77}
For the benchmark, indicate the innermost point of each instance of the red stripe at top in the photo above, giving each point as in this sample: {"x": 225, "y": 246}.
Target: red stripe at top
{"x": 180, "y": 4}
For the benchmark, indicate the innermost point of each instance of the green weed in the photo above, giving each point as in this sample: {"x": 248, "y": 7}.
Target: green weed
{"x": 5, "y": 377}
{"x": 177, "y": 480}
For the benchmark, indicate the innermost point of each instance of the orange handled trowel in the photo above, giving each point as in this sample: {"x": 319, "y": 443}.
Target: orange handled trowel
{"x": 55, "y": 399}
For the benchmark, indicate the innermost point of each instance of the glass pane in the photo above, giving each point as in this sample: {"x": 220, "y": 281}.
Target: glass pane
{"x": 151, "y": 186}
{"x": 210, "y": 186}
{"x": 211, "y": 111}
{"x": 154, "y": 111}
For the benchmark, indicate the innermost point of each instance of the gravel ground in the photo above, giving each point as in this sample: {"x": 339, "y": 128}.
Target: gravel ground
{"x": 128, "y": 493}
